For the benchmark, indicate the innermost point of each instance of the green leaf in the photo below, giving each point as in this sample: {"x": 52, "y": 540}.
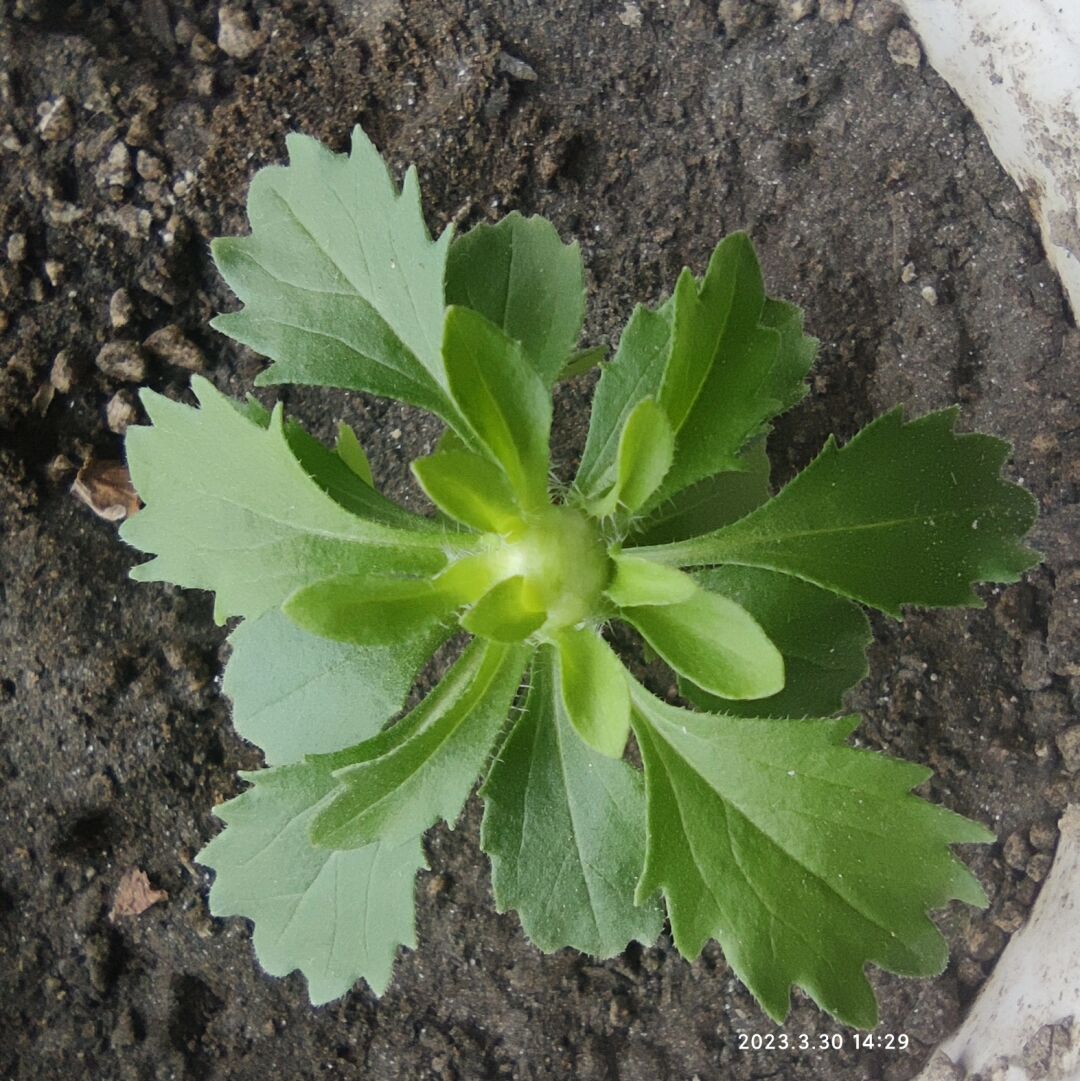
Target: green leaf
{"x": 294, "y": 693}
{"x": 592, "y": 683}
{"x": 341, "y": 283}
{"x": 803, "y": 858}
{"x": 635, "y": 373}
{"x": 584, "y": 360}
{"x": 502, "y": 399}
{"x": 565, "y": 829}
{"x": 340, "y": 481}
{"x": 519, "y": 275}
{"x": 720, "y": 358}
{"x": 422, "y": 769}
{"x": 823, "y": 638}
{"x": 336, "y": 916}
{"x": 469, "y": 488}
{"x": 370, "y": 610}
{"x": 646, "y": 447}
{"x": 640, "y": 581}
{"x": 348, "y": 449}
{"x": 709, "y": 504}
{"x": 229, "y": 508}
{"x": 504, "y": 613}
{"x": 905, "y": 513}
{"x": 713, "y": 642}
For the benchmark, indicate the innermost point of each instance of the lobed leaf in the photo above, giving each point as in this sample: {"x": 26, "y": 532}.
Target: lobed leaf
{"x": 294, "y": 693}
{"x": 337, "y": 916}
{"x": 905, "y": 513}
{"x": 803, "y": 858}
{"x": 519, "y": 275}
{"x": 565, "y": 829}
{"x": 341, "y": 283}
{"x": 229, "y": 508}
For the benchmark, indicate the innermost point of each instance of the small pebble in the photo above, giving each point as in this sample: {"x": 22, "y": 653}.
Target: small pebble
{"x": 42, "y": 398}
{"x": 115, "y": 170}
{"x": 203, "y": 50}
{"x": 55, "y": 121}
{"x": 236, "y": 37}
{"x": 139, "y": 131}
{"x": 797, "y": 10}
{"x": 875, "y": 17}
{"x": 1068, "y": 743}
{"x": 1043, "y": 836}
{"x": 984, "y": 941}
{"x": 54, "y": 271}
{"x": 929, "y": 294}
{"x": 122, "y": 360}
{"x": 63, "y": 373}
{"x": 16, "y": 248}
{"x": 170, "y": 345}
{"x": 630, "y": 15}
{"x": 1010, "y": 918}
{"x": 836, "y": 11}
{"x": 904, "y": 48}
{"x": 1015, "y": 850}
{"x": 516, "y": 69}
{"x": 908, "y": 274}
{"x": 1039, "y": 866}
{"x": 121, "y": 412}
{"x": 59, "y": 468}
{"x": 120, "y": 308}
{"x": 148, "y": 167}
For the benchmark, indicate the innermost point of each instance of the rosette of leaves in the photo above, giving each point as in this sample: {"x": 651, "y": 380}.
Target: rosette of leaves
{"x": 753, "y": 822}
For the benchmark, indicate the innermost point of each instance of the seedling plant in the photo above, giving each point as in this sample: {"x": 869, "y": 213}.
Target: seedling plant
{"x": 753, "y": 821}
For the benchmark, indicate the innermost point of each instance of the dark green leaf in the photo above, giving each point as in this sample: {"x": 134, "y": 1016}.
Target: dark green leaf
{"x": 519, "y": 275}
{"x": 565, "y": 829}
{"x": 803, "y": 858}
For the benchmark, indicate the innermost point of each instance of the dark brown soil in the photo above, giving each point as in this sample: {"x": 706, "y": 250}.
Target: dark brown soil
{"x": 650, "y": 130}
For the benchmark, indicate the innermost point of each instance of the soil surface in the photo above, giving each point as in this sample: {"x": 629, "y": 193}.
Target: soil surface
{"x": 128, "y": 132}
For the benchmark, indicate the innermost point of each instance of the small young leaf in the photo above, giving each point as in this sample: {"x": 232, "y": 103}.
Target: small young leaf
{"x": 584, "y": 360}
{"x": 341, "y": 281}
{"x": 229, "y": 508}
{"x": 503, "y": 400}
{"x": 635, "y": 373}
{"x": 370, "y": 610}
{"x": 640, "y": 581}
{"x": 348, "y": 449}
{"x": 504, "y": 613}
{"x": 646, "y": 448}
{"x": 469, "y": 488}
{"x": 823, "y": 638}
{"x": 803, "y": 858}
{"x": 905, "y": 513}
{"x": 709, "y": 504}
{"x": 565, "y": 830}
{"x": 592, "y": 683}
{"x": 336, "y": 916}
{"x": 522, "y": 277}
{"x": 713, "y": 642}
{"x": 422, "y": 769}
{"x": 294, "y": 693}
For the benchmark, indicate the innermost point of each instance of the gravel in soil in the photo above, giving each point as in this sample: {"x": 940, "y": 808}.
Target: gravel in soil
{"x": 128, "y": 133}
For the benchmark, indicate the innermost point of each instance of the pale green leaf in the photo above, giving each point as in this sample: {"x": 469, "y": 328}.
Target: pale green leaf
{"x": 504, "y": 402}
{"x": 565, "y": 829}
{"x": 469, "y": 488}
{"x": 520, "y": 275}
{"x": 294, "y": 693}
{"x": 822, "y": 637}
{"x": 713, "y": 642}
{"x": 505, "y": 613}
{"x": 229, "y": 508}
{"x": 646, "y": 447}
{"x": 370, "y": 610}
{"x": 905, "y": 513}
{"x": 640, "y": 581}
{"x": 422, "y": 769}
{"x": 592, "y": 685}
{"x": 338, "y": 917}
{"x": 341, "y": 283}
{"x": 803, "y": 858}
